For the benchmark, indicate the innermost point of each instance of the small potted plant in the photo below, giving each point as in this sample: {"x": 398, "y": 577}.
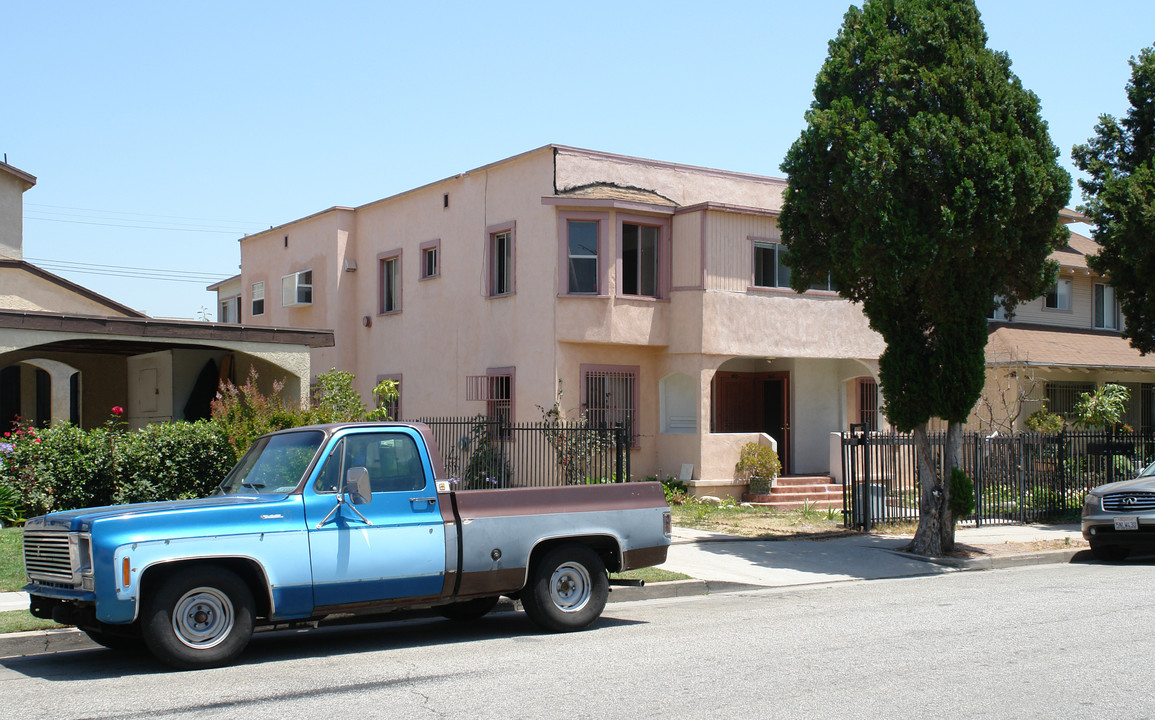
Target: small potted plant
{"x": 759, "y": 466}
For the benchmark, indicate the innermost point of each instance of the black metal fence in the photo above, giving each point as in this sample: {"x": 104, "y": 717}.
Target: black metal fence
{"x": 482, "y": 453}
{"x": 1028, "y": 477}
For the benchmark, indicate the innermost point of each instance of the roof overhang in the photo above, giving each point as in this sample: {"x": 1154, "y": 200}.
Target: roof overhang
{"x": 28, "y": 180}
{"x": 152, "y": 331}
{"x": 1026, "y": 345}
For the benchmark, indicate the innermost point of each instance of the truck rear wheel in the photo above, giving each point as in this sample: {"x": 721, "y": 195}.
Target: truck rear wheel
{"x": 567, "y": 589}
{"x": 198, "y": 618}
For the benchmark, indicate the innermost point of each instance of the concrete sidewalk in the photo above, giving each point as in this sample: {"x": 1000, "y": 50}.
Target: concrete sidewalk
{"x": 725, "y": 559}
{"x": 721, "y": 563}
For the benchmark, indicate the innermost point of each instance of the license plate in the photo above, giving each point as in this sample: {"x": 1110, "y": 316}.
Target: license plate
{"x": 1126, "y": 523}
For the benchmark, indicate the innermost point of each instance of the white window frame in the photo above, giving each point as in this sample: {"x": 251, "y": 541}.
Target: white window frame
{"x": 781, "y": 277}
{"x": 430, "y": 260}
{"x": 501, "y": 261}
{"x": 297, "y": 289}
{"x": 389, "y": 282}
{"x": 1061, "y": 291}
{"x": 257, "y": 293}
{"x": 1105, "y": 315}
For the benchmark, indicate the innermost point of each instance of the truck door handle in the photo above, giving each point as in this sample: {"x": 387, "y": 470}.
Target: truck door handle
{"x": 429, "y": 500}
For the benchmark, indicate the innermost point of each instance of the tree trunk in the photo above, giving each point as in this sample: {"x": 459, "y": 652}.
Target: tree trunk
{"x": 928, "y": 538}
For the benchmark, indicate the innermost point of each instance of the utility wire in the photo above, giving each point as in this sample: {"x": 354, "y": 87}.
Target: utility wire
{"x": 121, "y": 212}
{"x": 125, "y": 271}
{"x": 141, "y": 227}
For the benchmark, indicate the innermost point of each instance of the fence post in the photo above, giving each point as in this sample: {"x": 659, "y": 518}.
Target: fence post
{"x": 619, "y": 452}
{"x": 976, "y": 480}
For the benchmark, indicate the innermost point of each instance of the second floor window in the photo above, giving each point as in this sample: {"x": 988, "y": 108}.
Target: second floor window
{"x": 1058, "y": 296}
{"x": 640, "y": 260}
{"x": 230, "y": 311}
{"x": 297, "y": 289}
{"x": 389, "y": 279}
{"x": 430, "y": 266}
{"x": 258, "y": 293}
{"x": 501, "y": 263}
{"x": 582, "y": 250}
{"x": 1106, "y": 308}
{"x": 770, "y": 268}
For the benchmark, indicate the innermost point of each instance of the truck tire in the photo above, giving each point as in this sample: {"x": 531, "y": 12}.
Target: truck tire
{"x": 567, "y": 589}
{"x": 198, "y": 618}
{"x": 467, "y": 610}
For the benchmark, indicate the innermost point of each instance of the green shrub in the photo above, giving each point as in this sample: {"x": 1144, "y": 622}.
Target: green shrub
{"x": 1044, "y": 421}
{"x": 9, "y": 505}
{"x": 171, "y": 461}
{"x": 60, "y": 467}
{"x": 759, "y": 465}
{"x": 245, "y": 413}
{"x": 962, "y": 494}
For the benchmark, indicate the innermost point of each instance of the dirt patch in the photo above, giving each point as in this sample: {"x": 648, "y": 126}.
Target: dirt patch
{"x": 1017, "y": 548}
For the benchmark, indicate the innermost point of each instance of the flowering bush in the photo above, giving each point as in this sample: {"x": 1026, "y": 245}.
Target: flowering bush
{"x": 64, "y": 467}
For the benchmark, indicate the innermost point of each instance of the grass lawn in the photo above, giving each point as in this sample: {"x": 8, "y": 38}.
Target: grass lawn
{"x": 11, "y": 559}
{"x": 758, "y": 521}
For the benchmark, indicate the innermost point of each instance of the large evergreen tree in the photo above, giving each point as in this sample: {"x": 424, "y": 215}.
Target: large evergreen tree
{"x": 926, "y": 185}
{"x": 1120, "y": 202}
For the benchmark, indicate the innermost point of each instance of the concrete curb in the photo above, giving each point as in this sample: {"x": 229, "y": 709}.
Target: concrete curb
{"x": 42, "y": 642}
{"x": 996, "y": 562}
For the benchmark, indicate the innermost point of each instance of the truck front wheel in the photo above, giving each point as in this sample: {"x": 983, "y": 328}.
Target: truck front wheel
{"x": 198, "y": 618}
{"x": 567, "y": 589}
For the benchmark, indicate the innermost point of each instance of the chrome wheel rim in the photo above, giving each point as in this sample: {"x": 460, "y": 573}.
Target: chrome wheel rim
{"x": 570, "y": 587}
{"x": 203, "y": 618}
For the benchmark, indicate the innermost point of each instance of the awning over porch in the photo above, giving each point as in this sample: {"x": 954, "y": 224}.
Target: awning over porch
{"x": 1048, "y": 346}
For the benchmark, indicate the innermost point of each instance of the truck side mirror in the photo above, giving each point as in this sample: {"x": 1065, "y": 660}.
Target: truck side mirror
{"x": 357, "y": 486}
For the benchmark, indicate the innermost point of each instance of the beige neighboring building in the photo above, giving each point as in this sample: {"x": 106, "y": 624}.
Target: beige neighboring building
{"x": 649, "y": 292}
{"x": 1061, "y": 345}
{"x": 69, "y": 354}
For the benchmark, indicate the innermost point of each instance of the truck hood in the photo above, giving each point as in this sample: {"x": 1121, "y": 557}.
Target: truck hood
{"x": 76, "y": 519}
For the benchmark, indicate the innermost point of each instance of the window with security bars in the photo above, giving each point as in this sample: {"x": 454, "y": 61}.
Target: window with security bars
{"x": 610, "y": 398}
{"x": 1062, "y": 396}
{"x": 495, "y": 389}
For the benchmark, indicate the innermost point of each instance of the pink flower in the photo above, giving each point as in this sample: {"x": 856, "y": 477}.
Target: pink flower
{"x": 117, "y": 410}
{"x": 36, "y": 440}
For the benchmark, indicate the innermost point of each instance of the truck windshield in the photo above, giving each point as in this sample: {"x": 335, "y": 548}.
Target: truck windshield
{"x": 274, "y": 464}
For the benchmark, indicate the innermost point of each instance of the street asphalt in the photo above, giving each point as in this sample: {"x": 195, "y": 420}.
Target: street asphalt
{"x": 722, "y": 563}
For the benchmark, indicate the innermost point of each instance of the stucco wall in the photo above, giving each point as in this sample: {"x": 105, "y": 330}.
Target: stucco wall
{"x": 11, "y": 216}
{"x": 22, "y": 290}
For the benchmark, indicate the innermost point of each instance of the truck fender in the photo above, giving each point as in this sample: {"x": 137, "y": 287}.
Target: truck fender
{"x": 606, "y": 545}
{"x": 151, "y": 573}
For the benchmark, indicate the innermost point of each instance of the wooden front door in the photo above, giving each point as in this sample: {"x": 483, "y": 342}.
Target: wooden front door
{"x": 754, "y": 402}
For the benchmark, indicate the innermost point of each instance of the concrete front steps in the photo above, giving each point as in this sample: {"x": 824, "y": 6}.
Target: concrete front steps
{"x": 792, "y": 492}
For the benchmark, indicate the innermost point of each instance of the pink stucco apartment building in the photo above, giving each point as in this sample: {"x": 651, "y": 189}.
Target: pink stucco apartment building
{"x": 643, "y": 290}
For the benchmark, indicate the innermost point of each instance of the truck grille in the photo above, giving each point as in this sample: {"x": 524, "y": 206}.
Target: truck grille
{"x": 1129, "y": 502}
{"x": 46, "y": 557}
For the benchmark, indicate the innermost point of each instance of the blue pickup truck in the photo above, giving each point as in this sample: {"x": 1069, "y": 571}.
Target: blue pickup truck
{"x": 335, "y": 519}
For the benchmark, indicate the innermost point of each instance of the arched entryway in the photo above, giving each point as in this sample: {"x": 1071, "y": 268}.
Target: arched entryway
{"x": 749, "y": 396}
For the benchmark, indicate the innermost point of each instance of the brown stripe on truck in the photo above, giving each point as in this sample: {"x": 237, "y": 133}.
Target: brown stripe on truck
{"x": 570, "y": 498}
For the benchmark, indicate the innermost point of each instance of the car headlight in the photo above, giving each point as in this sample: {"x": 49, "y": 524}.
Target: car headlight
{"x": 1092, "y": 504}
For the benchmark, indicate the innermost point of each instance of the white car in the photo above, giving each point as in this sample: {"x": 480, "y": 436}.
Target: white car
{"x": 1119, "y": 518}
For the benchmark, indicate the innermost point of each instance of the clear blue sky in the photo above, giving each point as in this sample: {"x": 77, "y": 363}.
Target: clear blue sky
{"x": 161, "y": 132}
